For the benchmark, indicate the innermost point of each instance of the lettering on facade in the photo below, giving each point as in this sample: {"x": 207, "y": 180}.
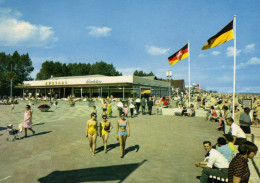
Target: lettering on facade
{"x": 56, "y": 82}
{"x": 89, "y": 81}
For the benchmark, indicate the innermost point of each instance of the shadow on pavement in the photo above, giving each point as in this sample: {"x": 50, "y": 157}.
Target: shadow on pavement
{"x": 132, "y": 148}
{"x": 2, "y": 128}
{"x": 38, "y": 124}
{"x": 36, "y": 134}
{"x": 112, "y": 146}
{"x": 107, "y": 173}
{"x": 109, "y": 147}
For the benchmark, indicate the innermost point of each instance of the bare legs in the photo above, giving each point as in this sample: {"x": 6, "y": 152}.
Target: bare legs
{"x": 122, "y": 141}
{"x": 220, "y": 122}
{"x": 105, "y": 137}
{"x": 92, "y": 143}
{"x": 25, "y": 131}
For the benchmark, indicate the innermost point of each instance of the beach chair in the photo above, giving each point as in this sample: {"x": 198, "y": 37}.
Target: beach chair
{"x": 14, "y": 133}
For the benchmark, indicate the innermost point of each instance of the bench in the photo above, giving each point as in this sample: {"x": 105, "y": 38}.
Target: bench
{"x": 215, "y": 179}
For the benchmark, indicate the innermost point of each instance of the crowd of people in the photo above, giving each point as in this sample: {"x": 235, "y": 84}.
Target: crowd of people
{"x": 222, "y": 160}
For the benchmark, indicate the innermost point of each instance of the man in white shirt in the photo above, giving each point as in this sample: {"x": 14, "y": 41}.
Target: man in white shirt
{"x": 120, "y": 107}
{"x": 237, "y": 133}
{"x": 138, "y": 102}
{"x": 245, "y": 121}
{"x": 216, "y": 164}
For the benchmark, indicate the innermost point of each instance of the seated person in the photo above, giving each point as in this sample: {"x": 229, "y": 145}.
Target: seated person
{"x": 213, "y": 113}
{"x": 216, "y": 160}
{"x": 226, "y": 115}
{"x": 229, "y": 138}
{"x": 191, "y": 111}
{"x": 224, "y": 149}
{"x": 184, "y": 109}
{"x": 237, "y": 133}
{"x": 238, "y": 168}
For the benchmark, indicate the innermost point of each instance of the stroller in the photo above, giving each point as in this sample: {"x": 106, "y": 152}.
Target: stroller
{"x": 14, "y": 133}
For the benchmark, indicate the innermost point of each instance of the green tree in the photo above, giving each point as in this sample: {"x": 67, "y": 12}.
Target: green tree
{"x": 141, "y": 73}
{"x": 21, "y": 69}
{"x": 103, "y": 68}
{"x": 50, "y": 68}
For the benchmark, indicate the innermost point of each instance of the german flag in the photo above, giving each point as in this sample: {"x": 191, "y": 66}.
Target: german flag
{"x": 221, "y": 37}
{"x": 179, "y": 55}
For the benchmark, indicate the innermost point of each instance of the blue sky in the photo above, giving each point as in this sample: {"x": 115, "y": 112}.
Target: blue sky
{"x": 138, "y": 35}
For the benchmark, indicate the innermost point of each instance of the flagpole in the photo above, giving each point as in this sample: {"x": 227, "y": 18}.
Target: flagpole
{"x": 234, "y": 80}
{"x": 189, "y": 69}
{"x": 11, "y": 87}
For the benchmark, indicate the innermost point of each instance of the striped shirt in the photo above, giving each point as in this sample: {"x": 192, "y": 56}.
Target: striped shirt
{"x": 238, "y": 167}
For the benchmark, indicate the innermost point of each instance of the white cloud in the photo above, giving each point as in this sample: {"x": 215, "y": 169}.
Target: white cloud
{"x": 201, "y": 55}
{"x": 249, "y": 48}
{"x": 153, "y": 50}
{"x": 252, "y": 61}
{"x": 129, "y": 71}
{"x": 230, "y": 51}
{"x": 99, "y": 31}
{"x": 16, "y": 32}
{"x": 216, "y": 53}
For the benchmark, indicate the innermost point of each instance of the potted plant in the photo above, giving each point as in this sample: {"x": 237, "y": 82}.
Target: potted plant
{"x": 44, "y": 107}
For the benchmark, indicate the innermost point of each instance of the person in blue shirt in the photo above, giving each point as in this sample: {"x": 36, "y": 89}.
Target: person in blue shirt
{"x": 224, "y": 149}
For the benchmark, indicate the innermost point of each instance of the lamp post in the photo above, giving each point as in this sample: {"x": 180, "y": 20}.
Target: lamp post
{"x": 169, "y": 75}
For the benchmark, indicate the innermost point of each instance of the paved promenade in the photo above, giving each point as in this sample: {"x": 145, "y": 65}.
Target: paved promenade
{"x": 160, "y": 148}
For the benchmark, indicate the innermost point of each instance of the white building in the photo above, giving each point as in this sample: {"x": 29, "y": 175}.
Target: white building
{"x": 96, "y": 85}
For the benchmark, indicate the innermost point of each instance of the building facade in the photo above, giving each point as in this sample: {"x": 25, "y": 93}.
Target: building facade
{"x": 96, "y": 86}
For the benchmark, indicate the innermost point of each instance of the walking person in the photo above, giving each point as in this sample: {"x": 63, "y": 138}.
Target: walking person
{"x": 104, "y": 108}
{"x": 138, "y": 101}
{"x": 12, "y": 107}
{"x": 143, "y": 104}
{"x": 150, "y": 106}
{"x": 245, "y": 121}
{"x": 120, "y": 107}
{"x": 122, "y": 131}
{"x": 109, "y": 109}
{"x": 104, "y": 130}
{"x": 132, "y": 107}
{"x": 28, "y": 120}
{"x": 92, "y": 132}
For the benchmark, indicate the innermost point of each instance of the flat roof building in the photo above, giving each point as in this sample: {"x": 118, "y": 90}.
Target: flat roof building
{"x": 96, "y": 85}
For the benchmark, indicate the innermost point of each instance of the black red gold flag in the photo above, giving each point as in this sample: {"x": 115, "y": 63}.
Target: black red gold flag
{"x": 179, "y": 55}
{"x": 221, "y": 37}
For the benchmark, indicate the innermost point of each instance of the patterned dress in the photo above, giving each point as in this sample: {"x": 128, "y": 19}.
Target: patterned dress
{"x": 27, "y": 123}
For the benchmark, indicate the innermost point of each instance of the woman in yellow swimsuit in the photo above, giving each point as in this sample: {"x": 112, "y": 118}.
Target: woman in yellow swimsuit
{"x": 104, "y": 130}
{"x": 92, "y": 132}
{"x": 122, "y": 132}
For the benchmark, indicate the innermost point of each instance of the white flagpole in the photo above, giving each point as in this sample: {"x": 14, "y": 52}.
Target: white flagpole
{"x": 189, "y": 69}
{"x": 234, "y": 80}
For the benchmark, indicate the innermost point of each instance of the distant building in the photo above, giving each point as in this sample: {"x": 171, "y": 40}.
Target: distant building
{"x": 178, "y": 84}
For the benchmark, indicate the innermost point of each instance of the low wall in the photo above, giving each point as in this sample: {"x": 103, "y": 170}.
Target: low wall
{"x": 171, "y": 111}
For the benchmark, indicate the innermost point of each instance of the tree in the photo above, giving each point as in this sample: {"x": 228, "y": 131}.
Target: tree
{"x": 49, "y": 69}
{"x": 103, "y": 68}
{"x": 141, "y": 73}
{"x": 21, "y": 69}
{"x": 57, "y": 69}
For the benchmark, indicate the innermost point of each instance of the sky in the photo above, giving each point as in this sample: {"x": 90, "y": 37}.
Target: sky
{"x": 139, "y": 35}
